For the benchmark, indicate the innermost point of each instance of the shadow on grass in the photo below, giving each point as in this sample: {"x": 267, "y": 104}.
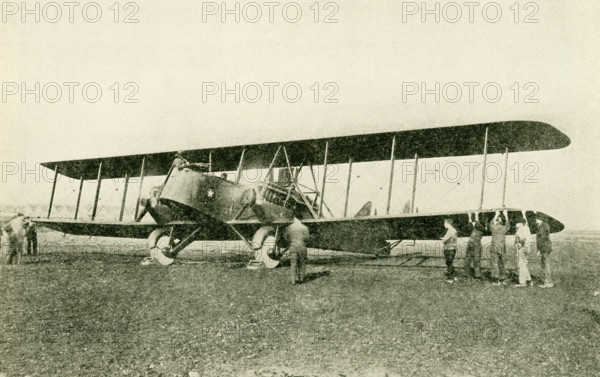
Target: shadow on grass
{"x": 594, "y": 313}
{"x": 34, "y": 261}
{"x": 315, "y": 275}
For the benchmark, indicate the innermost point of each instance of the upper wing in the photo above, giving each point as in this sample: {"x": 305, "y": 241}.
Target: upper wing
{"x": 517, "y": 136}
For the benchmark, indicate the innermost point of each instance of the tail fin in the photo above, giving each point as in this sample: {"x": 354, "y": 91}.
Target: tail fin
{"x": 365, "y": 210}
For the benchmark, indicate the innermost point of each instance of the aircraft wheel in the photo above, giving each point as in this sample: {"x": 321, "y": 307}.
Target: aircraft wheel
{"x": 160, "y": 248}
{"x": 265, "y": 248}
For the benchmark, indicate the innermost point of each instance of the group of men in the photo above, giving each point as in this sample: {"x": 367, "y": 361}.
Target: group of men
{"x": 499, "y": 227}
{"x": 20, "y": 232}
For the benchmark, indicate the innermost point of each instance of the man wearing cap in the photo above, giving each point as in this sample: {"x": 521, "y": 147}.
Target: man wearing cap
{"x": 180, "y": 162}
{"x": 544, "y": 246}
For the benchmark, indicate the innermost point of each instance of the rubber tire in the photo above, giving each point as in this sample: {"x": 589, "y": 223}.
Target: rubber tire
{"x": 155, "y": 250}
{"x": 263, "y": 243}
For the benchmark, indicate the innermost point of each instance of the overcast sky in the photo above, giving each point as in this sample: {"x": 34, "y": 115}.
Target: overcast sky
{"x": 156, "y": 78}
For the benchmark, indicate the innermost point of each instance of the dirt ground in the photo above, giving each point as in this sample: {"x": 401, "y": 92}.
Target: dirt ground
{"x": 87, "y": 307}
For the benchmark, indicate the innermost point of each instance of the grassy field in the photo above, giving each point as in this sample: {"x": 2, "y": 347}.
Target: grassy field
{"x": 91, "y": 311}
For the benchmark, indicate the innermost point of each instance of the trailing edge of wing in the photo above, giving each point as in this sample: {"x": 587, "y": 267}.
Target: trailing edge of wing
{"x": 517, "y": 136}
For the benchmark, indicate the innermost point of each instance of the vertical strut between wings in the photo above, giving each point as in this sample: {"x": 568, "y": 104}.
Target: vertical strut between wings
{"x": 392, "y": 161}
{"x": 505, "y": 176}
{"x": 485, "y": 146}
{"x": 324, "y": 179}
{"x": 98, "y": 185}
{"x": 78, "y": 198}
{"x": 53, "y": 189}
{"x": 414, "y": 188}
{"x": 139, "y": 196}
{"x": 348, "y": 187}
{"x": 124, "y": 196}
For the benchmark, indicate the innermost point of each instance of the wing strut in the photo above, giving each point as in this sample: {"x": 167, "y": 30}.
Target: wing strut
{"x": 270, "y": 170}
{"x": 240, "y": 167}
{"x": 295, "y": 184}
{"x": 97, "y": 191}
{"x": 124, "y": 196}
{"x": 414, "y": 188}
{"x": 324, "y": 178}
{"x": 505, "y": 176}
{"x": 137, "y": 202}
{"x": 485, "y": 146}
{"x": 78, "y": 197}
{"x": 248, "y": 243}
{"x": 348, "y": 186}
{"x": 392, "y": 160}
{"x": 53, "y": 189}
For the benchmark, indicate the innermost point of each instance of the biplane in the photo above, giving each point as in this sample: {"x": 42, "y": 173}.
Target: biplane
{"x": 196, "y": 202}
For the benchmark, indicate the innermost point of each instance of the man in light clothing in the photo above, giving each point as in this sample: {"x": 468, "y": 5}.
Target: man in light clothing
{"x": 15, "y": 231}
{"x": 522, "y": 244}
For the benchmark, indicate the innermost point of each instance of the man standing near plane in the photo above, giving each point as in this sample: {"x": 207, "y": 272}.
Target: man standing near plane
{"x": 449, "y": 241}
{"x": 31, "y": 234}
{"x": 522, "y": 245}
{"x": 544, "y": 246}
{"x": 499, "y": 226}
{"x": 15, "y": 230}
{"x": 473, "y": 257}
{"x": 296, "y": 235}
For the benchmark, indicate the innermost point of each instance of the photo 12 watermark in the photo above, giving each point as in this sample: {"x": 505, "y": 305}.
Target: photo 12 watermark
{"x": 69, "y": 92}
{"x": 69, "y": 12}
{"x": 427, "y": 172}
{"x": 470, "y": 92}
{"x": 269, "y": 12}
{"x": 270, "y": 92}
{"x": 490, "y": 12}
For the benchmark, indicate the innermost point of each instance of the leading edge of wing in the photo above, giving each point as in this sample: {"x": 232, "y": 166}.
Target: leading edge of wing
{"x": 555, "y": 225}
{"x": 517, "y": 136}
{"x": 100, "y": 228}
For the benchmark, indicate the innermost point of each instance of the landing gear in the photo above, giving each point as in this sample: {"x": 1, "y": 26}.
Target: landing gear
{"x": 266, "y": 250}
{"x": 160, "y": 244}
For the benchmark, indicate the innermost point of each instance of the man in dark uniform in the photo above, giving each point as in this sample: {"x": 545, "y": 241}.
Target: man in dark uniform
{"x": 31, "y": 235}
{"x": 499, "y": 226}
{"x": 449, "y": 241}
{"x": 544, "y": 246}
{"x": 473, "y": 257}
{"x": 296, "y": 235}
